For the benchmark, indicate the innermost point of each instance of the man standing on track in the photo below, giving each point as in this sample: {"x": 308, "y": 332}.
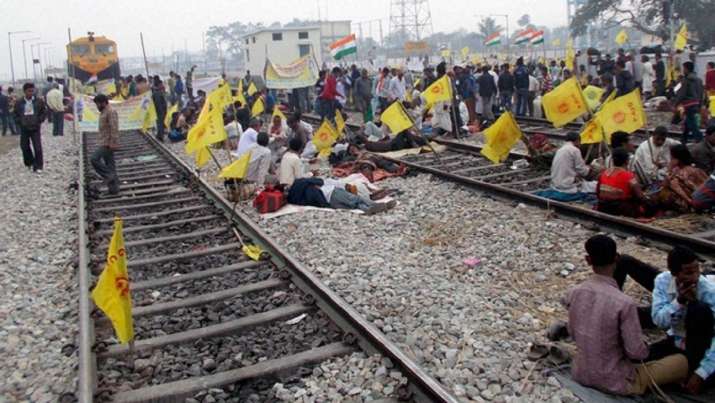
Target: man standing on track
{"x": 57, "y": 109}
{"x": 103, "y": 157}
{"x": 30, "y": 112}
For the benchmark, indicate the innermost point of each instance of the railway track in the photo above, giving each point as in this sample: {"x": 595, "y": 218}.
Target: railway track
{"x": 463, "y": 164}
{"x": 206, "y": 317}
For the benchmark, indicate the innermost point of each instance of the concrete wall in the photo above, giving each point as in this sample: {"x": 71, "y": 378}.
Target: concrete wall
{"x": 281, "y": 51}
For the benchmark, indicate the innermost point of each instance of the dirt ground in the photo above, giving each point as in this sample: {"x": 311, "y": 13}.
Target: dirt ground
{"x": 9, "y": 143}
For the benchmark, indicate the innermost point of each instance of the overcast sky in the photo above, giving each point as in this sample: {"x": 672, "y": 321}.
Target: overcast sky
{"x": 170, "y": 25}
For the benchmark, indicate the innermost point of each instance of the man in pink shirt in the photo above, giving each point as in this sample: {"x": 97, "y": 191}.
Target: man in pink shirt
{"x": 603, "y": 322}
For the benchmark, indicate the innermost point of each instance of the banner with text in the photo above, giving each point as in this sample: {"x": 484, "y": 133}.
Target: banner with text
{"x": 298, "y": 74}
{"x": 131, "y": 112}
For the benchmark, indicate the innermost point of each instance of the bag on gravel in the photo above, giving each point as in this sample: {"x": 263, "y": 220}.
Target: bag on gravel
{"x": 269, "y": 200}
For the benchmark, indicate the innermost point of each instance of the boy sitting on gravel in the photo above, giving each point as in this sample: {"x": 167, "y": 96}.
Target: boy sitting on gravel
{"x": 603, "y": 322}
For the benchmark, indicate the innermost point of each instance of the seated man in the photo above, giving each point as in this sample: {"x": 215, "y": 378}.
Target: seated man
{"x": 291, "y": 167}
{"x": 652, "y": 157}
{"x": 704, "y": 151}
{"x": 260, "y": 160}
{"x": 618, "y": 190}
{"x": 604, "y": 324}
{"x": 569, "y": 172}
{"x": 249, "y": 137}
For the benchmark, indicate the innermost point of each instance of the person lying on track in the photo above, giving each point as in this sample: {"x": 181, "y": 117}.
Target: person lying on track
{"x": 603, "y": 322}
{"x": 331, "y": 193}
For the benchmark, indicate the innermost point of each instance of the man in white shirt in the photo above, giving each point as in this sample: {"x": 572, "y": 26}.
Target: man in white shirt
{"x": 396, "y": 89}
{"x": 291, "y": 166}
{"x": 534, "y": 90}
{"x": 249, "y": 137}
{"x": 568, "y": 168}
{"x": 57, "y": 109}
{"x": 653, "y": 156}
{"x": 336, "y": 193}
{"x": 260, "y": 162}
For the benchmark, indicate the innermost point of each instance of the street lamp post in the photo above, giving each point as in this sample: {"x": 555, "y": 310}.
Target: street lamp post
{"x": 9, "y": 45}
{"x": 40, "y": 46}
{"x": 32, "y": 54}
{"x": 24, "y": 53}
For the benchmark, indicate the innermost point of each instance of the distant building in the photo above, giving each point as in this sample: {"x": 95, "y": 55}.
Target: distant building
{"x": 284, "y": 45}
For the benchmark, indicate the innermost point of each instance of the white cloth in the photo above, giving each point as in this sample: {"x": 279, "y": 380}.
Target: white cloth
{"x": 329, "y": 186}
{"x": 259, "y": 165}
{"x": 54, "y": 100}
{"x": 248, "y": 138}
{"x": 648, "y": 75}
{"x": 233, "y": 130}
{"x": 567, "y": 168}
{"x": 291, "y": 168}
{"x": 375, "y": 133}
{"x": 441, "y": 117}
{"x": 533, "y": 84}
{"x": 396, "y": 89}
{"x": 648, "y": 157}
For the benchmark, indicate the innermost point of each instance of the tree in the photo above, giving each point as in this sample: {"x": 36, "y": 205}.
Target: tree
{"x": 488, "y": 26}
{"x": 648, "y": 16}
{"x": 229, "y": 36}
{"x": 524, "y": 21}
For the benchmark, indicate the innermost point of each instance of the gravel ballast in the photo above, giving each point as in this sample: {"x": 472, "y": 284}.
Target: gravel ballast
{"x": 463, "y": 283}
{"x": 38, "y": 312}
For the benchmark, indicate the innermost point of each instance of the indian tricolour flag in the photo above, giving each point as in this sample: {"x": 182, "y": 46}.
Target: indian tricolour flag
{"x": 493, "y": 39}
{"x": 343, "y": 47}
{"x": 523, "y": 37}
{"x": 537, "y": 37}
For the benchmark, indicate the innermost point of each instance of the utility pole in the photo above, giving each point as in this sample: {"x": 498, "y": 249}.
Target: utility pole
{"x": 412, "y": 19}
{"x": 24, "y": 53}
{"x": 9, "y": 45}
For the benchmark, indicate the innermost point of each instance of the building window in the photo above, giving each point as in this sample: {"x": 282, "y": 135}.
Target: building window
{"x": 277, "y": 36}
{"x": 303, "y": 50}
{"x": 248, "y": 55}
{"x": 302, "y": 35}
{"x": 246, "y": 41}
{"x": 253, "y": 39}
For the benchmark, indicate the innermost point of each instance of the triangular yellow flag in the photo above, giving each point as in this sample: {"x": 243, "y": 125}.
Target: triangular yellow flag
{"x": 238, "y": 169}
{"x": 206, "y": 131}
{"x": 202, "y": 157}
{"x": 681, "y": 39}
{"x": 111, "y": 294}
{"x": 325, "y": 137}
{"x": 556, "y": 43}
{"x": 593, "y": 95}
{"x": 277, "y": 112}
{"x": 251, "y": 89}
{"x": 167, "y": 119}
{"x": 712, "y": 105}
{"x": 339, "y": 122}
{"x": 622, "y": 37}
{"x": 501, "y": 137}
{"x": 564, "y": 103}
{"x": 624, "y": 114}
{"x": 396, "y": 118}
{"x": 438, "y": 91}
{"x": 239, "y": 94}
{"x": 258, "y": 107}
{"x": 592, "y": 133}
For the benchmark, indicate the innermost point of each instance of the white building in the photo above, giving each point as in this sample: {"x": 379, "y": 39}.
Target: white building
{"x": 284, "y": 45}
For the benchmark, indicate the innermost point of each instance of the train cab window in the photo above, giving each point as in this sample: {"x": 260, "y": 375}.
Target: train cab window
{"x": 103, "y": 49}
{"x": 80, "y": 50}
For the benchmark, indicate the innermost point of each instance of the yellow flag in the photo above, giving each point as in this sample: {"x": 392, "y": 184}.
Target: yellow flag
{"x": 88, "y": 114}
{"x": 258, "y": 107}
{"x": 208, "y": 130}
{"x": 149, "y": 117}
{"x": 277, "y": 112}
{"x": 593, "y": 95}
{"x": 325, "y": 137}
{"x": 251, "y": 89}
{"x": 169, "y": 113}
{"x": 465, "y": 52}
{"x": 622, "y": 37}
{"x": 237, "y": 169}
{"x": 556, "y": 42}
{"x": 111, "y": 294}
{"x": 564, "y": 103}
{"x": 624, "y": 114}
{"x": 252, "y": 251}
{"x": 570, "y": 55}
{"x": 501, "y": 137}
{"x": 396, "y": 118}
{"x": 202, "y": 157}
{"x": 239, "y": 94}
{"x": 446, "y": 53}
{"x": 339, "y": 122}
{"x": 681, "y": 39}
{"x": 221, "y": 96}
{"x": 592, "y": 133}
{"x": 712, "y": 106}
{"x": 438, "y": 91}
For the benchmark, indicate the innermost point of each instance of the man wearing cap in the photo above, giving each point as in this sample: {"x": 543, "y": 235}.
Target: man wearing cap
{"x": 103, "y": 157}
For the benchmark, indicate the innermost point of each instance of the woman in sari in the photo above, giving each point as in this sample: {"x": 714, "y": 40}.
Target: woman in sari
{"x": 682, "y": 181}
